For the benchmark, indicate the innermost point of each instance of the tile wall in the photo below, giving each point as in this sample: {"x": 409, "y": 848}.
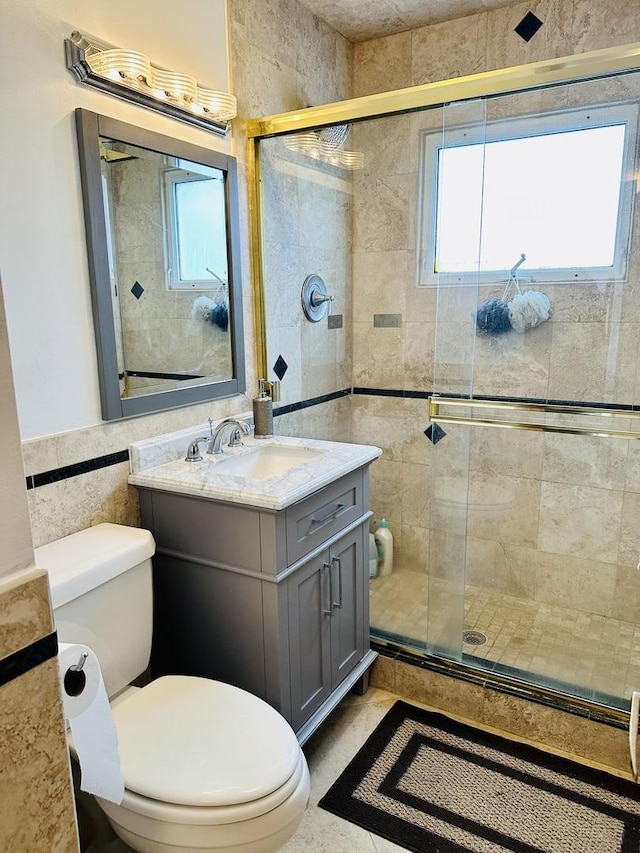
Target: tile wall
{"x": 298, "y": 61}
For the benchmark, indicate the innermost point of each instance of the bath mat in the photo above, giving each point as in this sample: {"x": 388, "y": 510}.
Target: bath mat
{"x": 429, "y": 783}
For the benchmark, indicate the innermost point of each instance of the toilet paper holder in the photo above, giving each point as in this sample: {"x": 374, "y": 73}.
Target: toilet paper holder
{"x": 75, "y": 680}
{"x": 81, "y": 662}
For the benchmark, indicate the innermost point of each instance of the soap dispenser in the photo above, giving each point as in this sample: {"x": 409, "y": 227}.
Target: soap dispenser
{"x": 262, "y": 412}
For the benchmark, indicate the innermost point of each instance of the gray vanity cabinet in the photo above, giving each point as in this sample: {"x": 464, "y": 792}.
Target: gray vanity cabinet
{"x": 326, "y": 631}
{"x": 275, "y": 602}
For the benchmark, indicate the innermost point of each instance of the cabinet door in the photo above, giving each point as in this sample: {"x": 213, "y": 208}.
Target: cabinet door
{"x": 309, "y": 637}
{"x": 347, "y": 605}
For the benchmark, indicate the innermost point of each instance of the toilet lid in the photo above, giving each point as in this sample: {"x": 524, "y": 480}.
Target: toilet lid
{"x": 195, "y": 741}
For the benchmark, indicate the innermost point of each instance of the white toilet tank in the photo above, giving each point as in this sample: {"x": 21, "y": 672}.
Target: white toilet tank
{"x": 101, "y": 595}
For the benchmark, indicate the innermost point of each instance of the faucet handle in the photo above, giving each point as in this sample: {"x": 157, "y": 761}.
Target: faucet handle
{"x": 234, "y": 439}
{"x": 193, "y": 452}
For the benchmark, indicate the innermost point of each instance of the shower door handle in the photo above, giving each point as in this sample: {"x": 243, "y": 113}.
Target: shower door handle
{"x": 335, "y": 561}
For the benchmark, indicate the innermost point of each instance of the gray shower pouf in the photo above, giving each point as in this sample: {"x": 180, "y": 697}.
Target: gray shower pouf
{"x": 492, "y": 317}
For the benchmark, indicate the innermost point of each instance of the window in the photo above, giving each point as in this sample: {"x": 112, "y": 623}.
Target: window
{"x": 558, "y": 188}
{"x": 196, "y": 233}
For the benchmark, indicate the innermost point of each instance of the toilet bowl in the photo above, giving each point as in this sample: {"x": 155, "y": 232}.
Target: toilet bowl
{"x": 206, "y": 766}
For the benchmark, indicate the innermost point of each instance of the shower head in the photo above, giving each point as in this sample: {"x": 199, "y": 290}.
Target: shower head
{"x": 335, "y": 136}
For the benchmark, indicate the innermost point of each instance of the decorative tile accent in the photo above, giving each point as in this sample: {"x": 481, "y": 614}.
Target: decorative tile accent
{"x": 280, "y": 367}
{"x": 528, "y": 26}
{"x": 387, "y": 321}
{"x": 137, "y": 290}
{"x": 434, "y": 433}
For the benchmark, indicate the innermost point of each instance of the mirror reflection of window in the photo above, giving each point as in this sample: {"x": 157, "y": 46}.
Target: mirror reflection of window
{"x": 196, "y": 236}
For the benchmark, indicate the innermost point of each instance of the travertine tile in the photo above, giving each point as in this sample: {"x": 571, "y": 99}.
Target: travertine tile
{"x": 415, "y": 495}
{"x": 25, "y": 611}
{"x": 383, "y": 674}
{"x": 381, "y": 282}
{"x": 607, "y": 746}
{"x": 438, "y": 691}
{"x": 597, "y": 25}
{"x": 584, "y": 460}
{"x": 450, "y": 49}
{"x": 629, "y": 550}
{"x": 61, "y": 508}
{"x": 35, "y": 787}
{"x": 503, "y": 508}
{"x": 490, "y": 565}
{"x": 382, "y": 65}
{"x": 378, "y": 356}
{"x": 386, "y": 490}
{"x": 593, "y": 361}
{"x": 513, "y": 365}
{"x": 514, "y": 453}
{"x": 383, "y": 214}
{"x": 537, "y": 723}
{"x": 580, "y": 521}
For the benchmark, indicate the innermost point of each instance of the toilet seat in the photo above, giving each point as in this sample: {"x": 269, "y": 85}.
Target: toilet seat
{"x": 206, "y": 745}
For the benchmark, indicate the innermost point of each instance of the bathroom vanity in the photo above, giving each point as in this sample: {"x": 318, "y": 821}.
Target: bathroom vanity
{"x": 260, "y": 578}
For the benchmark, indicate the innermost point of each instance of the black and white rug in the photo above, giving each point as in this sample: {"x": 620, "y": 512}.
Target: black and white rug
{"x": 433, "y": 785}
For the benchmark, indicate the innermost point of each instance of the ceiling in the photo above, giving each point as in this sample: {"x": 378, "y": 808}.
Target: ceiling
{"x": 361, "y": 20}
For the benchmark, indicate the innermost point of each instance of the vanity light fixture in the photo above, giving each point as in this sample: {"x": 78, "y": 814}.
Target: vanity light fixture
{"x": 131, "y": 75}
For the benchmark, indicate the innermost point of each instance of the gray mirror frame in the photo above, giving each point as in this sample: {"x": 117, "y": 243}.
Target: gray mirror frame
{"x": 90, "y": 126}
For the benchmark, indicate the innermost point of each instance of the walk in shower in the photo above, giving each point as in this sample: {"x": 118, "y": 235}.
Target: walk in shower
{"x": 504, "y": 390}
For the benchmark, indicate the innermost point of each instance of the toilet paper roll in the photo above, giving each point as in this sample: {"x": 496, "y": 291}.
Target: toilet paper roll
{"x": 86, "y": 708}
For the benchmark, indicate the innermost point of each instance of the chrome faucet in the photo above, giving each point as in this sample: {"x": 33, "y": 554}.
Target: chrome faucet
{"x": 235, "y": 427}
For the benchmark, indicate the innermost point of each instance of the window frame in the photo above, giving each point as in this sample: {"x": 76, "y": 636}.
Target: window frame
{"x": 178, "y": 174}
{"x": 538, "y": 124}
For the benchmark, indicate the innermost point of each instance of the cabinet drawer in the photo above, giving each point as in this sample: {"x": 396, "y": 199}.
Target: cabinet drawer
{"x": 316, "y": 518}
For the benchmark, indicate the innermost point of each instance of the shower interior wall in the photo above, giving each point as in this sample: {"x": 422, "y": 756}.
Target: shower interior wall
{"x": 552, "y": 518}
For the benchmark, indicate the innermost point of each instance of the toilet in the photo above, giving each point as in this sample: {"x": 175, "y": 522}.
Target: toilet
{"x": 206, "y": 766}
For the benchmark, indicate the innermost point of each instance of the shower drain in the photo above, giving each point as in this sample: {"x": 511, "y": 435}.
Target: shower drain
{"x": 474, "y": 638}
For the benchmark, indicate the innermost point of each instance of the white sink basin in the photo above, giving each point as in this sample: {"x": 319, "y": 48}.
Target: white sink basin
{"x": 261, "y": 463}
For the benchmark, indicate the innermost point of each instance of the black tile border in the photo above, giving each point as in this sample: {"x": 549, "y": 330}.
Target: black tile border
{"x": 86, "y": 467}
{"x": 312, "y": 401}
{"x": 393, "y": 392}
{"x": 45, "y": 478}
{"x": 31, "y": 656}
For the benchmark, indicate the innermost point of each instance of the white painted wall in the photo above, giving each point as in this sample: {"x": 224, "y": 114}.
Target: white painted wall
{"x": 42, "y": 240}
{"x": 15, "y": 532}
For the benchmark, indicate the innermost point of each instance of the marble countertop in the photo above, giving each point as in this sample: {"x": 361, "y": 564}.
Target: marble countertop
{"x": 206, "y": 479}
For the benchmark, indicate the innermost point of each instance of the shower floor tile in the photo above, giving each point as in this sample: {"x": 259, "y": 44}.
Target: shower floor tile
{"x": 594, "y": 653}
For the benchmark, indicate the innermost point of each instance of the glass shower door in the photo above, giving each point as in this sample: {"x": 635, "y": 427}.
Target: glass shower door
{"x": 534, "y": 485}
{"x": 454, "y": 348}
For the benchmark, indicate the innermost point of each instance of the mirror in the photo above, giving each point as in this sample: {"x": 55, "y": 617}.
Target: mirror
{"x": 162, "y": 236}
